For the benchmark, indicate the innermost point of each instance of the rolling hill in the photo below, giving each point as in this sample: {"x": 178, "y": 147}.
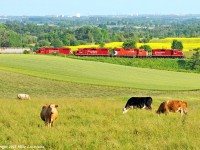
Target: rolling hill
{"x": 98, "y": 73}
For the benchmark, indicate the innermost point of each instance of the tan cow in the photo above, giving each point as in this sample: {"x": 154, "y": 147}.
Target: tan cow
{"x": 173, "y": 106}
{"x": 23, "y": 96}
{"x": 49, "y": 114}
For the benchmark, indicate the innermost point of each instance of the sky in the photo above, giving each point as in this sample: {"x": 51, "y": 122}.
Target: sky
{"x": 97, "y": 7}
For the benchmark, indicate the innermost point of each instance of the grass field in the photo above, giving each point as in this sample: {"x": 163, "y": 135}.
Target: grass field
{"x": 97, "y": 73}
{"x": 169, "y": 64}
{"x": 90, "y": 110}
{"x": 97, "y": 124}
{"x": 188, "y": 44}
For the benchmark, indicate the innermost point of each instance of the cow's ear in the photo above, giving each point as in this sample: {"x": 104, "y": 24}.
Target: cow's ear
{"x": 56, "y": 106}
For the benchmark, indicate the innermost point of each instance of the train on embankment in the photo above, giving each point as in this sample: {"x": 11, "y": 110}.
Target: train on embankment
{"x": 115, "y": 52}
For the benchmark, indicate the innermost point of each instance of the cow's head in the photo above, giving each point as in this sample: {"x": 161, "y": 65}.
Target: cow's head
{"x": 52, "y": 108}
{"x": 149, "y": 107}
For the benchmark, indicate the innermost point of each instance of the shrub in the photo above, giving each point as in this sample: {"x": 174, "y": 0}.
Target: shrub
{"x": 26, "y": 52}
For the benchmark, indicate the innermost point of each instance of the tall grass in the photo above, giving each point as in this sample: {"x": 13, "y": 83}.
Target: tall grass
{"x": 90, "y": 116}
{"x": 96, "y": 124}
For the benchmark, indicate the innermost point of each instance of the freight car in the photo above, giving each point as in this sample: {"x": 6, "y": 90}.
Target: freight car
{"x": 167, "y": 53}
{"x": 92, "y": 52}
{"x": 132, "y": 52}
{"x": 51, "y": 50}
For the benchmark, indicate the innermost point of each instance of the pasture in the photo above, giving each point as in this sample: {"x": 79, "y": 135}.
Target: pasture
{"x": 90, "y": 113}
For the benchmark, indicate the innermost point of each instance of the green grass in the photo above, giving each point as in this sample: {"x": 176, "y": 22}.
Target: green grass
{"x": 97, "y": 73}
{"x": 97, "y": 124}
{"x": 90, "y": 115}
{"x": 178, "y": 65}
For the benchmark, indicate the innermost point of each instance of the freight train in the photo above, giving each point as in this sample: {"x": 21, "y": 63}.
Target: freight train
{"x": 116, "y": 52}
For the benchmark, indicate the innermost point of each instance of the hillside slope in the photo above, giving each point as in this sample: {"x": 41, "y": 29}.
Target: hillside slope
{"x": 97, "y": 73}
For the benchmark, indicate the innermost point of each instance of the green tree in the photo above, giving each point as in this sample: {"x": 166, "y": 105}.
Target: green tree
{"x": 129, "y": 44}
{"x": 57, "y": 43}
{"x": 102, "y": 44}
{"x": 195, "y": 60}
{"x": 177, "y": 45}
{"x": 146, "y": 48}
{"x": 9, "y": 38}
{"x": 43, "y": 43}
{"x": 144, "y": 40}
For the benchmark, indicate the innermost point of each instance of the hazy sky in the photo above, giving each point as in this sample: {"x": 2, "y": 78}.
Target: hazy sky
{"x": 97, "y": 7}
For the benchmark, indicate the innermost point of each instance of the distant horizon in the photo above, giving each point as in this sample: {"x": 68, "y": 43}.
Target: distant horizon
{"x": 93, "y": 8}
{"x": 79, "y": 15}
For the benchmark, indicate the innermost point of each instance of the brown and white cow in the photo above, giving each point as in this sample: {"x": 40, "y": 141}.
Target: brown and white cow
{"x": 49, "y": 114}
{"x": 173, "y": 106}
{"x": 23, "y": 96}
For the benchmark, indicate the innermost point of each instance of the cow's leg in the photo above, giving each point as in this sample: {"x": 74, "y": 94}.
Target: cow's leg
{"x": 48, "y": 122}
{"x": 180, "y": 110}
{"x": 166, "y": 112}
{"x": 185, "y": 112}
{"x": 125, "y": 110}
{"x": 144, "y": 107}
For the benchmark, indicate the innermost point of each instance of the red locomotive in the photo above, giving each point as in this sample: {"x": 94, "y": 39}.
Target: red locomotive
{"x": 132, "y": 52}
{"x": 92, "y": 52}
{"x": 51, "y": 50}
{"x": 167, "y": 53}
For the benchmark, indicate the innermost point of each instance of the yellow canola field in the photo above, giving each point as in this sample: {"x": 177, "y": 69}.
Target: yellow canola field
{"x": 188, "y": 44}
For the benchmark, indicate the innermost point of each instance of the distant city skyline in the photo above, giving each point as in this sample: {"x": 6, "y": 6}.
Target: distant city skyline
{"x": 91, "y": 7}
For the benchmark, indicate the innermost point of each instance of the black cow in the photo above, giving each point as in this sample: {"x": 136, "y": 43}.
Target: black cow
{"x": 138, "y": 102}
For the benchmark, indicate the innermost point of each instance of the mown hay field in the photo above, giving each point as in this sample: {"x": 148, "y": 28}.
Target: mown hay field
{"x": 98, "y": 73}
{"x": 90, "y": 115}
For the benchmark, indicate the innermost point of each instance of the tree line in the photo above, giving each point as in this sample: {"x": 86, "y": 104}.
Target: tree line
{"x": 50, "y": 31}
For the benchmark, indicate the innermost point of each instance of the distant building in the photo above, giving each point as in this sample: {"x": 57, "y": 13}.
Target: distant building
{"x": 13, "y": 50}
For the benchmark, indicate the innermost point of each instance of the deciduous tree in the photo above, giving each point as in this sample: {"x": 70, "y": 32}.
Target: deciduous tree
{"x": 177, "y": 45}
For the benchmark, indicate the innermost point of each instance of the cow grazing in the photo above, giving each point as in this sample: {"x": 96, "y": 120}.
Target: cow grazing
{"x": 23, "y": 96}
{"x": 138, "y": 102}
{"x": 49, "y": 114}
{"x": 173, "y": 106}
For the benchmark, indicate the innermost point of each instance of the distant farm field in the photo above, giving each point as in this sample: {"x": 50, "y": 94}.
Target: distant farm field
{"x": 188, "y": 44}
{"x": 91, "y": 96}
